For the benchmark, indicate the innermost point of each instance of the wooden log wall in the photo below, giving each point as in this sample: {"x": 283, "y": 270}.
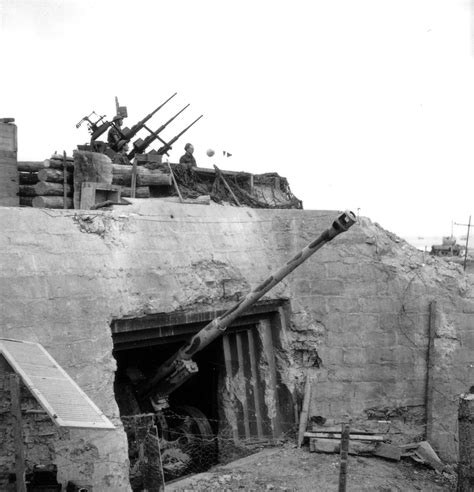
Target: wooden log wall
{"x": 41, "y": 183}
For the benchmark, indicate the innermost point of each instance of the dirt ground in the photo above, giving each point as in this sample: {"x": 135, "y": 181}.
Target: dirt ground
{"x": 288, "y": 468}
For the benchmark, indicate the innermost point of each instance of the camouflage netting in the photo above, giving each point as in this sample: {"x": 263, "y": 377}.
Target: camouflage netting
{"x": 268, "y": 190}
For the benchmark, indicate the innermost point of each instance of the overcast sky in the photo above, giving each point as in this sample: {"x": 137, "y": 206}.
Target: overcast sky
{"x": 365, "y": 105}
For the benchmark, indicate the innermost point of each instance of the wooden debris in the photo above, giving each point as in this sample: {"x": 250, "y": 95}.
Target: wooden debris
{"x": 388, "y": 451}
{"x": 337, "y": 435}
{"x": 321, "y": 445}
{"x": 304, "y": 411}
{"x": 426, "y": 453}
{"x": 229, "y": 189}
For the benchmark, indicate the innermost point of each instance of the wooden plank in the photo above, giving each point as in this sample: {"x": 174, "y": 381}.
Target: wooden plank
{"x": 337, "y": 429}
{"x": 229, "y": 189}
{"x": 321, "y": 445}
{"x": 305, "y": 410}
{"x": 388, "y": 451}
{"x": 254, "y": 382}
{"x": 20, "y": 466}
{"x": 337, "y": 435}
{"x": 64, "y": 401}
{"x": 140, "y": 192}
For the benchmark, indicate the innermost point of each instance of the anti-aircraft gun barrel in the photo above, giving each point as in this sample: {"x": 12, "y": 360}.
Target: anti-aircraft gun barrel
{"x": 167, "y": 146}
{"x": 129, "y": 133}
{"x": 178, "y": 368}
{"x": 140, "y": 145}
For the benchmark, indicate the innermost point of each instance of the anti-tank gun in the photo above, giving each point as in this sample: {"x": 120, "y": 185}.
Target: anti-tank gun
{"x": 185, "y": 433}
{"x": 180, "y": 367}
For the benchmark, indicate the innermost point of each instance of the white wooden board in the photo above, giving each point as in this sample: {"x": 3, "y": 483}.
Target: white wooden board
{"x": 57, "y": 393}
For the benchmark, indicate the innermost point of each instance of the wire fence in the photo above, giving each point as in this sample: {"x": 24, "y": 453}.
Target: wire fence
{"x": 165, "y": 447}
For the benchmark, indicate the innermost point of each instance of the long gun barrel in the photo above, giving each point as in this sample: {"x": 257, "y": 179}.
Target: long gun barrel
{"x": 165, "y": 148}
{"x": 140, "y": 145}
{"x": 177, "y": 369}
{"x": 128, "y": 133}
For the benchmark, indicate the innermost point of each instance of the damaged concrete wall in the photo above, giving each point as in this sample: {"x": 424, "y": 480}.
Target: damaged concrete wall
{"x": 359, "y": 307}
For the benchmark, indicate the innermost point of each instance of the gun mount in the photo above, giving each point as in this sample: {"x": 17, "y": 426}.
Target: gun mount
{"x": 96, "y": 128}
{"x": 180, "y": 367}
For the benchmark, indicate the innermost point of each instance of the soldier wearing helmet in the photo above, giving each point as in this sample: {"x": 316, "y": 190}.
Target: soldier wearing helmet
{"x": 114, "y": 137}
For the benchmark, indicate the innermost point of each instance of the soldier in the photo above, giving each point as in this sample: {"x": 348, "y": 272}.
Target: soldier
{"x": 188, "y": 158}
{"x": 115, "y": 136}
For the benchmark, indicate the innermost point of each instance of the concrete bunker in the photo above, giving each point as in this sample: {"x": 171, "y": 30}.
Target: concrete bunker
{"x": 235, "y": 401}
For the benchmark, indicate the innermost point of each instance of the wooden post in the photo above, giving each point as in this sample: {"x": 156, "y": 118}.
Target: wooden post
{"x": 64, "y": 180}
{"x": 304, "y": 411}
{"x": 229, "y": 189}
{"x": 175, "y": 183}
{"x": 429, "y": 371}
{"x": 134, "y": 179}
{"x": 466, "y": 440}
{"x": 17, "y": 432}
{"x": 345, "y": 437}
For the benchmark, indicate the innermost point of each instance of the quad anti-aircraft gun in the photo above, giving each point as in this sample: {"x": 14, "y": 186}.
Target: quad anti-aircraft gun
{"x": 122, "y": 153}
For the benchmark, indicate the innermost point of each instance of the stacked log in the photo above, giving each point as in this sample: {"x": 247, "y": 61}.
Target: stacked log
{"x": 158, "y": 176}
{"x": 42, "y": 182}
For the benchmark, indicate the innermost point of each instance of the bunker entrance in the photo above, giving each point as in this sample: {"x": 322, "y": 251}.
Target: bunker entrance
{"x": 234, "y": 402}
